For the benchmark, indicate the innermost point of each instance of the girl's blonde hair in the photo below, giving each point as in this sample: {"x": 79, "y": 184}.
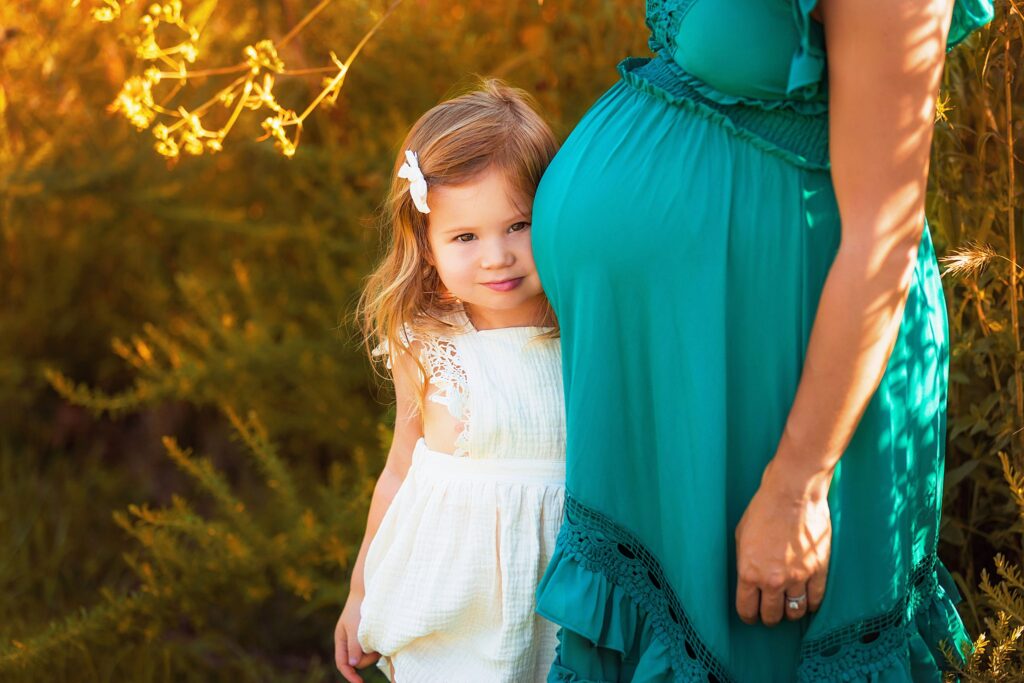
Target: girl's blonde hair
{"x": 493, "y": 126}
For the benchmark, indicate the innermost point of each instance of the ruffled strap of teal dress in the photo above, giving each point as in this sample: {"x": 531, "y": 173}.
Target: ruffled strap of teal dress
{"x": 968, "y": 16}
{"x": 807, "y": 68}
{"x": 663, "y": 18}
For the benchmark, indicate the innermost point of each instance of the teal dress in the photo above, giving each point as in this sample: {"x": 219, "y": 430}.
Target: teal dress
{"x": 683, "y": 235}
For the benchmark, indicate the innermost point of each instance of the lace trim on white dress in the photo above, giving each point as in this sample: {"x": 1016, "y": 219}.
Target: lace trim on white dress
{"x": 441, "y": 359}
{"x": 448, "y": 375}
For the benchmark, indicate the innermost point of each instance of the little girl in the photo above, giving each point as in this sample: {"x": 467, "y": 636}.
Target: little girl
{"x": 465, "y": 514}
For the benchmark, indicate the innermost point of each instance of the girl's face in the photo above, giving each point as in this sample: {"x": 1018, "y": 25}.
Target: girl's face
{"x": 479, "y": 236}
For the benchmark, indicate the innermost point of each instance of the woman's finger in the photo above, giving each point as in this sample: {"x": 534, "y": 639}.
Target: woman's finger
{"x": 771, "y": 605}
{"x": 816, "y": 589}
{"x": 796, "y": 601}
{"x": 748, "y": 600}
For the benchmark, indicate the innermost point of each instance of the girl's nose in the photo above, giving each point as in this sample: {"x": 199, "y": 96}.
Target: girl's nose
{"x": 498, "y": 255}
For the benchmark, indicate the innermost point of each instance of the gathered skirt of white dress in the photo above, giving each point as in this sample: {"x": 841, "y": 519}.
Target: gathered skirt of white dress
{"x": 450, "y": 575}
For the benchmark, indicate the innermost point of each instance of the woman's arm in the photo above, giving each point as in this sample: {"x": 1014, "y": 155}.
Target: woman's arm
{"x": 885, "y": 61}
{"x": 882, "y": 104}
{"x": 348, "y": 654}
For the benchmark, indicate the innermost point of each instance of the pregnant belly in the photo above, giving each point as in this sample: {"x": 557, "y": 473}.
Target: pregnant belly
{"x": 654, "y": 202}
{"x": 633, "y": 190}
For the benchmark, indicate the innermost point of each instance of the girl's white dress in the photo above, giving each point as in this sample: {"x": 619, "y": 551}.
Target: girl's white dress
{"x": 450, "y": 575}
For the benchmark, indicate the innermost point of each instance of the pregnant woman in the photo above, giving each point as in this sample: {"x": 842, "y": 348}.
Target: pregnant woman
{"x": 755, "y": 350}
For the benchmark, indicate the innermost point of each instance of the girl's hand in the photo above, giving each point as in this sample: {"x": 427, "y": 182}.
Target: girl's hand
{"x": 783, "y": 544}
{"x": 348, "y": 653}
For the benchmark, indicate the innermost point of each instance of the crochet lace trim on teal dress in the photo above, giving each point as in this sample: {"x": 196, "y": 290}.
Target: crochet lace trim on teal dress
{"x": 598, "y": 558}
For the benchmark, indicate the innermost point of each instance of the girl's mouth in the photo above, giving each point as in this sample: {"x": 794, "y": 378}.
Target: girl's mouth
{"x": 504, "y": 285}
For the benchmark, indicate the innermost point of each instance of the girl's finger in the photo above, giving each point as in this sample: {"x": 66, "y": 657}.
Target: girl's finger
{"x": 347, "y": 670}
{"x": 340, "y": 648}
{"x": 355, "y": 650}
{"x": 341, "y": 656}
{"x": 368, "y": 659}
{"x": 349, "y": 673}
{"x": 351, "y": 676}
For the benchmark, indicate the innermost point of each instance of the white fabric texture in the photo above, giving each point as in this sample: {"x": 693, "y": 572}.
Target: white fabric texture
{"x": 450, "y": 575}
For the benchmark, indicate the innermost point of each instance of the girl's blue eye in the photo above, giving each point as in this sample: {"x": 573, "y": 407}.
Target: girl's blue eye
{"x": 516, "y": 227}
{"x": 471, "y": 236}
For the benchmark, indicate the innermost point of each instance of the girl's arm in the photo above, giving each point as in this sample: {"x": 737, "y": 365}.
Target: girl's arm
{"x": 348, "y": 654}
{"x": 885, "y": 61}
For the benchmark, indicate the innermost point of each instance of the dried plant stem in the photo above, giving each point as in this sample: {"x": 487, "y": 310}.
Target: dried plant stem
{"x": 335, "y": 84}
{"x": 237, "y": 68}
{"x": 1011, "y": 228}
{"x": 985, "y": 331}
{"x": 252, "y": 87}
{"x": 302, "y": 24}
{"x": 309, "y": 71}
{"x": 1017, "y": 267}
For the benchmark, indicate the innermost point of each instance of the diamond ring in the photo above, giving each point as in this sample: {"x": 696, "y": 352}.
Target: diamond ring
{"x": 795, "y": 602}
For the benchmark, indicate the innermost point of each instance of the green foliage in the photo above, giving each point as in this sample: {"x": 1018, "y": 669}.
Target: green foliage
{"x": 998, "y": 653}
{"x": 141, "y": 300}
{"x": 210, "y": 576}
{"x": 973, "y": 208}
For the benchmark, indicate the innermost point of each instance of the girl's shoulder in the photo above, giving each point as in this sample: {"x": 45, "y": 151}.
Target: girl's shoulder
{"x": 425, "y": 336}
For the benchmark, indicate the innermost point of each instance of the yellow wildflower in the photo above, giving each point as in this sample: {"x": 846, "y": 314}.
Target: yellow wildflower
{"x": 263, "y": 55}
{"x": 135, "y": 101}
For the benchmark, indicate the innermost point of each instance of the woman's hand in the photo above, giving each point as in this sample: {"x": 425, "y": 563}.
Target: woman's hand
{"x": 348, "y": 653}
{"x": 783, "y": 543}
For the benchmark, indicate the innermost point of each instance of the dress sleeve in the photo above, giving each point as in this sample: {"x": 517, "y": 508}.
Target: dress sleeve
{"x": 968, "y": 16}
{"x": 443, "y": 365}
{"x": 383, "y": 349}
{"x": 447, "y": 376}
{"x": 807, "y": 68}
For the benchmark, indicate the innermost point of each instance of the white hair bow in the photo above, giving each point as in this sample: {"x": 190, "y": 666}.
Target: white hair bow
{"x": 410, "y": 170}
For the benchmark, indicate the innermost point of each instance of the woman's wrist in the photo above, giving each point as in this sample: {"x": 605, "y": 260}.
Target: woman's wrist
{"x": 798, "y": 473}
{"x": 793, "y": 481}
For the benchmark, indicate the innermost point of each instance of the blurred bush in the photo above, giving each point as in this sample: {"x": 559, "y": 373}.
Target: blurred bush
{"x": 974, "y": 207}
{"x": 141, "y": 298}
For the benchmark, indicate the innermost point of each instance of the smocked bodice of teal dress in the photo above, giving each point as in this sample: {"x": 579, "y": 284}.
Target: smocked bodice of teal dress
{"x": 765, "y": 53}
{"x": 683, "y": 234}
